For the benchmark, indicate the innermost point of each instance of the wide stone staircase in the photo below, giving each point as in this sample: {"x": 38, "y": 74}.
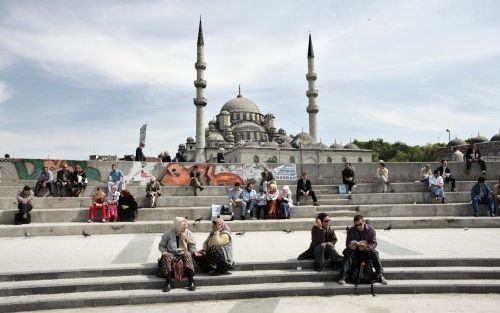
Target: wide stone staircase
{"x": 408, "y": 206}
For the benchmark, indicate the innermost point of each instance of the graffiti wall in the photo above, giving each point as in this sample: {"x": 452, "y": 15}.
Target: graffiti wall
{"x": 176, "y": 174}
{"x": 30, "y": 169}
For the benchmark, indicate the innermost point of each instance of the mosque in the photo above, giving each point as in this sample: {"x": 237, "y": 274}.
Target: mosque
{"x": 245, "y": 135}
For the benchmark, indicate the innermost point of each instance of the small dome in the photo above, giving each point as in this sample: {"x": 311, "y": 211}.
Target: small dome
{"x": 478, "y": 139}
{"x": 322, "y": 146}
{"x": 286, "y": 145}
{"x": 190, "y": 140}
{"x": 303, "y": 139}
{"x": 240, "y": 104}
{"x": 215, "y": 136}
{"x": 336, "y": 146}
{"x": 351, "y": 146}
{"x": 495, "y": 138}
{"x": 456, "y": 142}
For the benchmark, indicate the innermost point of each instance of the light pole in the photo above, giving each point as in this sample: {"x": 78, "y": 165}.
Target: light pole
{"x": 449, "y": 134}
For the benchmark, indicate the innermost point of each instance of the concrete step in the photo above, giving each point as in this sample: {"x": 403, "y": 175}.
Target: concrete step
{"x": 130, "y": 282}
{"x": 395, "y": 198}
{"x": 260, "y": 290}
{"x": 146, "y": 214}
{"x": 76, "y": 228}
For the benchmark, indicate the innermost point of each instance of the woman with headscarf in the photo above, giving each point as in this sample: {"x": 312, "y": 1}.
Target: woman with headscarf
{"x": 177, "y": 245}
{"x": 425, "y": 173}
{"x": 272, "y": 201}
{"x": 216, "y": 257}
{"x": 127, "y": 207}
{"x": 285, "y": 201}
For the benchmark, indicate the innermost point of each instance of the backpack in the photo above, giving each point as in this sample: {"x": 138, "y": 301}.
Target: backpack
{"x": 342, "y": 188}
{"x": 362, "y": 274}
{"x": 226, "y": 213}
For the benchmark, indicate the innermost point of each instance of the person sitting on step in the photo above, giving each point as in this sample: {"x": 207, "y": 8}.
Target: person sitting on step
{"x": 63, "y": 183}
{"x": 272, "y": 200}
{"x": 45, "y": 180}
{"x": 24, "y": 205}
{"x": 322, "y": 247}
{"x": 78, "y": 181}
{"x": 235, "y": 198}
{"x": 481, "y": 193}
{"x": 99, "y": 201}
{"x": 113, "y": 204}
{"x": 177, "y": 245}
{"x": 195, "y": 179}
{"x": 262, "y": 203}
{"x": 304, "y": 188}
{"x": 425, "y": 174}
{"x": 445, "y": 172}
{"x": 436, "y": 186}
{"x": 115, "y": 178}
{"x": 216, "y": 257}
{"x": 361, "y": 244}
{"x": 153, "y": 192}
{"x": 250, "y": 198}
{"x": 383, "y": 177}
{"x": 473, "y": 155}
{"x": 127, "y": 207}
{"x": 348, "y": 177}
{"x": 285, "y": 202}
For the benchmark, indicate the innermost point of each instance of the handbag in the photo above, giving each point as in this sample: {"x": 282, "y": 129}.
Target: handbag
{"x": 178, "y": 266}
{"x": 342, "y": 188}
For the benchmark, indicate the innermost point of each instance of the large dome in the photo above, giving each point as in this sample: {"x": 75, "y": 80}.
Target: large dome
{"x": 351, "y": 146}
{"x": 495, "y": 138}
{"x": 240, "y": 104}
{"x": 456, "y": 142}
{"x": 478, "y": 139}
{"x": 303, "y": 139}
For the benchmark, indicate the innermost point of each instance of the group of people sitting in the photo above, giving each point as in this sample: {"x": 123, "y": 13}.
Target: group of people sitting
{"x": 69, "y": 183}
{"x": 436, "y": 179}
{"x": 268, "y": 202}
{"x": 180, "y": 258}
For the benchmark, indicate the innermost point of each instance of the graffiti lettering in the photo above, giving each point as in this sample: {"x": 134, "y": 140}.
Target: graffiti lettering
{"x": 178, "y": 175}
{"x": 30, "y": 169}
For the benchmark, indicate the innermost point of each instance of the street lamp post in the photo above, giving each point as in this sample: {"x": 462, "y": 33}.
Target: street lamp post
{"x": 449, "y": 134}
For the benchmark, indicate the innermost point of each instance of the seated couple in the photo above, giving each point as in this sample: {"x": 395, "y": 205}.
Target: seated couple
{"x": 179, "y": 254}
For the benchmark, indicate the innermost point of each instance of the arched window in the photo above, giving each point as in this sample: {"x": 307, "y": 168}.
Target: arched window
{"x": 344, "y": 159}
{"x": 292, "y": 159}
{"x": 360, "y": 159}
{"x": 329, "y": 160}
{"x": 255, "y": 159}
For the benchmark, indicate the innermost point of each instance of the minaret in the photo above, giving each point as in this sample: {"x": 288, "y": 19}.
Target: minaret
{"x": 200, "y": 102}
{"x": 311, "y": 93}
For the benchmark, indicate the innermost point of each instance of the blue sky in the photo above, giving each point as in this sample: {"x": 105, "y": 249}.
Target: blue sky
{"x": 81, "y": 77}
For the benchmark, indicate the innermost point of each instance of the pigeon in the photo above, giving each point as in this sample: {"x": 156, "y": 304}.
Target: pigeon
{"x": 85, "y": 234}
{"x": 388, "y": 227}
{"x": 241, "y": 233}
{"x": 27, "y": 234}
{"x": 288, "y": 230}
{"x": 198, "y": 219}
{"x": 117, "y": 227}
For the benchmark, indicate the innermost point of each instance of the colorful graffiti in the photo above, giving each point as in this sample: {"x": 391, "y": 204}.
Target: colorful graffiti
{"x": 30, "y": 169}
{"x": 177, "y": 175}
{"x": 140, "y": 172}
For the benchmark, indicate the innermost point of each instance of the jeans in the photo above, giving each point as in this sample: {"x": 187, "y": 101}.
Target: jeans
{"x": 250, "y": 208}
{"x": 326, "y": 251}
{"x": 284, "y": 210}
{"x": 487, "y": 200}
{"x": 435, "y": 191}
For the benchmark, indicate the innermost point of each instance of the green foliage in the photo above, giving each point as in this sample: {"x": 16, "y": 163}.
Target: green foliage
{"x": 399, "y": 151}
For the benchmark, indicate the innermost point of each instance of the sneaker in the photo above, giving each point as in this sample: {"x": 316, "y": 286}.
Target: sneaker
{"x": 341, "y": 281}
{"x": 492, "y": 214}
{"x": 484, "y": 173}
{"x": 453, "y": 190}
{"x": 349, "y": 192}
{"x": 355, "y": 186}
{"x": 298, "y": 203}
{"x": 315, "y": 204}
{"x": 90, "y": 221}
{"x": 381, "y": 279}
{"x": 443, "y": 201}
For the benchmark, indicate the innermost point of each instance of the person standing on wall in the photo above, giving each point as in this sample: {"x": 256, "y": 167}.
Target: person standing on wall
{"x": 139, "y": 155}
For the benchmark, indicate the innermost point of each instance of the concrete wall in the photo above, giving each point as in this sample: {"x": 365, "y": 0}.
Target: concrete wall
{"x": 15, "y": 171}
{"x": 490, "y": 151}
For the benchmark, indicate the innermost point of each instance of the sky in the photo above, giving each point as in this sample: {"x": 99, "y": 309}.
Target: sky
{"x": 81, "y": 77}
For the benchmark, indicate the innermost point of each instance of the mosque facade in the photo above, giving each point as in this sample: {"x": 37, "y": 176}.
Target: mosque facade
{"x": 245, "y": 135}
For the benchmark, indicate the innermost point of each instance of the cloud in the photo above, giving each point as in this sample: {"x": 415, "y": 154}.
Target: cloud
{"x": 5, "y": 93}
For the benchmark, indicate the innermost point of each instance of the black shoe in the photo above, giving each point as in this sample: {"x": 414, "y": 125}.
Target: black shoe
{"x": 443, "y": 201}
{"x": 192, "y": 287}
{"x": 492, "y": 214}
{"x": 381, "y": 279}
{"x": 476, "y": 215}
{"x": 166, "y": 287}
{"x": 317, "y": 267}
{"x": 315, "y": 204}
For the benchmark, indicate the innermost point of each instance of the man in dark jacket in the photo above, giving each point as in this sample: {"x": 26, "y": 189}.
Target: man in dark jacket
{"x": 445, "y": 172}
{"x": 304, "y": 188}
{"x": 348, "y": 177}
{"x": 322, "y": 245}
{"x": 481, "y": 193}
{"x": 139, "y": 155}
{"x": 474, "y": 155}
{"x": 361, "y": 243}
{"x": 63, "y": 182}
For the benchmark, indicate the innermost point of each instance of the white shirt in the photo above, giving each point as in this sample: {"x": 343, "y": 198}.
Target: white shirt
{"x": 436, "y": 181}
